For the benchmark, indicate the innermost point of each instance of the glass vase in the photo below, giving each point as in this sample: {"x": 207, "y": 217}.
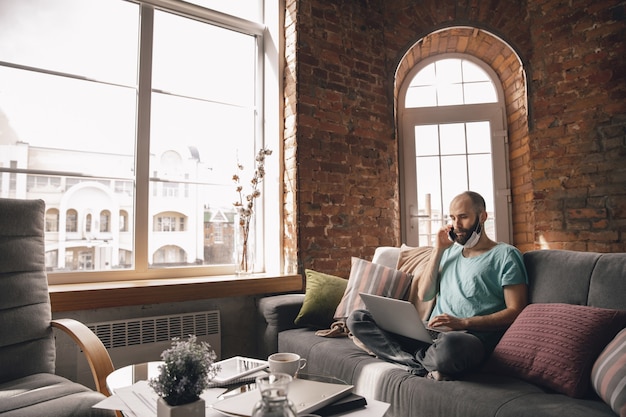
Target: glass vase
{"x": 274, "y": 402}
{"x": 244, "y": 246}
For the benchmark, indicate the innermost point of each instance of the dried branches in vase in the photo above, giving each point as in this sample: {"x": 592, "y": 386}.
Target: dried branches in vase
{"x": 245, "y": 210}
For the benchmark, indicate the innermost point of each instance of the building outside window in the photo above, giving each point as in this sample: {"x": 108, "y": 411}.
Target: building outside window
{"x": 151, "y": 117}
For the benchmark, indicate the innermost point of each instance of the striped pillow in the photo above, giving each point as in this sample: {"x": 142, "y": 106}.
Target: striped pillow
{"x": 608, "y": 375}
{"x": 371, "y": 278}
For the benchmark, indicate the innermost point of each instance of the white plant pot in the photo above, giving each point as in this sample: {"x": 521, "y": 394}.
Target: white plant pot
{"x": 194, "y": 409}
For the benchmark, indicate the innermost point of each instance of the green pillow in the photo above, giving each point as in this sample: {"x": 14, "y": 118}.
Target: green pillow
{"x": 322, "y": 296}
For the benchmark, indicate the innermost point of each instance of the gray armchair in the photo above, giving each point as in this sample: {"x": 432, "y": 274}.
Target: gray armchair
{"x": 28, "y": 385}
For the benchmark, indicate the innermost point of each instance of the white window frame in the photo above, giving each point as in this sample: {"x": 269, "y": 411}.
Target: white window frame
{"x": 495, "y": 113}
{"x": 269, "y": 91}
{"x": 269, "y": 94}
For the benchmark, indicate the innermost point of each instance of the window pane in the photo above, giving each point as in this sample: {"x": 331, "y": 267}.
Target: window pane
{"x": 449, "y": 71}
{"x": 472, "y": 72}
{"x": 61, "y": 119}
{"x": 454, "y": 177}
{"x": 478, "y": 137}
{"x": 200, "y": 129}
{"x": 452, "y": 138}
{"x": 480, "y": 175}
{"x": 481, "y": 181}
{"x": 72, "y": 36}
{"x": 426, "y": 140}
{"x": 482, "y": 92}
{"x": 221, "y": 71}
{"x": 61, "y": 125}
{"x": 450, "y": 94}
{"x": 421, "y": 97}
{"x": 426, "y": 76}
{"x": 429, "y": 198}
{"x": 196, "y": 132}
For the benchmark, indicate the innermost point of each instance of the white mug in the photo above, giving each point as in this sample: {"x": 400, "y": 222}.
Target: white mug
{"x": 286, "y": 363}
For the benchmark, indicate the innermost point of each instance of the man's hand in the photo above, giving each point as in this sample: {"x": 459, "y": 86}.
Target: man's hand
{"x": 515, "y": 298}
{"x": 448, "y": 322}
{"x": 443, "y": 241}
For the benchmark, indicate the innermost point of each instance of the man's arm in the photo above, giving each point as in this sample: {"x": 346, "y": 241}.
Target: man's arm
{"x": 428, "y": 287}
{"x": 515, "y": 298}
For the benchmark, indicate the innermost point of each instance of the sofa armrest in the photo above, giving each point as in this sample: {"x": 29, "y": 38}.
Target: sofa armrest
{"x": 278, "y": 313}
{"x": 97, "y": 355}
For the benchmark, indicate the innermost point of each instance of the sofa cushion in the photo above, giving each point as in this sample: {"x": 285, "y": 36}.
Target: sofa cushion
{"x": 555, "y": 345}
{"x": 559, "y": 276}
{"x": 49, "y": 395}
{"x": 608, "y": 375}
{"x": 608, "y": 286}
{"x": 322, "y": 296}
{"x": 371, "y": 278}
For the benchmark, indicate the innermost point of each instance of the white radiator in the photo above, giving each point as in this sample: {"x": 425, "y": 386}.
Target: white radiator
{"x": 143, "y": 339}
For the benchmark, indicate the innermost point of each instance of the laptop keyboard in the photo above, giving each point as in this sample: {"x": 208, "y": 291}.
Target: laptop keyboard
{"x": 433, "y": 333}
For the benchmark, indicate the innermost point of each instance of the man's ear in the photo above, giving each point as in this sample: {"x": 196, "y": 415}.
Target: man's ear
{"x": 483, "y": 217}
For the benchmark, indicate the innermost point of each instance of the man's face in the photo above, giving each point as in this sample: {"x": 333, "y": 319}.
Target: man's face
{"x": 464, "y": 219}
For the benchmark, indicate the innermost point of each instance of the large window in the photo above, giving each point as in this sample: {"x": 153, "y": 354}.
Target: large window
{"x": 453, "y": 139}
{"x": 117, "y": 111}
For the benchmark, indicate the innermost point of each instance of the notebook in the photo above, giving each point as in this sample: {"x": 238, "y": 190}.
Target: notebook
{"x": 398, "y": 316}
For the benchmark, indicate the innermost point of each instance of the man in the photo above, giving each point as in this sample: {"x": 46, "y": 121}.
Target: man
{"x": 480, "y": 288}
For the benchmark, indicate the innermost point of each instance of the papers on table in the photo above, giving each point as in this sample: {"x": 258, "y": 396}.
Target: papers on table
{"x": 139, "y": 400}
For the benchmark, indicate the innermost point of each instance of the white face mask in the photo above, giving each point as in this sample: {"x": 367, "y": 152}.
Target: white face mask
{"x": 474, "y": 238}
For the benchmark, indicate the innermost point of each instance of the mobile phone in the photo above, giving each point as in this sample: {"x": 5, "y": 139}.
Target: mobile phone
{"x": 452, "y": 235}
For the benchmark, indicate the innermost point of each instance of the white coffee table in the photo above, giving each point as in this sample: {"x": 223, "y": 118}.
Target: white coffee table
{"x": 128, "y": 375}
{"x": 131, "y": 374}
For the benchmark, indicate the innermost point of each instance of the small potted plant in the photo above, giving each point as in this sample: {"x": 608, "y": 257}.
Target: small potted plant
{"x": 188, "y": 368}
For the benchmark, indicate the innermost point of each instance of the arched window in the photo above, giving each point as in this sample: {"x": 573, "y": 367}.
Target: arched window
{"x": 88, "y": 223}
{"x": 123, "y": 221}
{"x": 170, "y": 254}
{"x": 105, "y": 221}
{"x": 71, "y": 221}
{"x": 453, "y": 139}
{"x": 52, "y": 220}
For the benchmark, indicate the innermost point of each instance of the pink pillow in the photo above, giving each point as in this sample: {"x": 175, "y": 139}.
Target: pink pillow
{"x": 371, "y": 278}
{"x": 556, "y": 345}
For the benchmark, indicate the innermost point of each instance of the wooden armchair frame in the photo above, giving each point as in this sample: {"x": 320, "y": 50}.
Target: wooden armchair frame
{"x": 97, "y": 355}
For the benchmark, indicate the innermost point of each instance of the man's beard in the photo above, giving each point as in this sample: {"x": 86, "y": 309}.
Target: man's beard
{"x": 467, "y": 234}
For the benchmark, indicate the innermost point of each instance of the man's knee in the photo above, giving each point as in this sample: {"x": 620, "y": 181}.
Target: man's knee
{"x": 457, "y": 352}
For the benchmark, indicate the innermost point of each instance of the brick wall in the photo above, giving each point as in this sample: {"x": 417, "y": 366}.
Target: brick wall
{"x": 578, "y": 148}
{"x": 567, "y": 140}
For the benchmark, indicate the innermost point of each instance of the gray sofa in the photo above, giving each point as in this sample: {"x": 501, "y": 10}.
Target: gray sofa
{"x": 556, "y": 276}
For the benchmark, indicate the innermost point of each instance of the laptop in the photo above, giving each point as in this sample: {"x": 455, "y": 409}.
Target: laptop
{"x": 398, "y": 316}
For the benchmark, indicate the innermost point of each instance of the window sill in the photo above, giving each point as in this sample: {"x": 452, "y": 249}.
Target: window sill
{"x": 88, "y": 296}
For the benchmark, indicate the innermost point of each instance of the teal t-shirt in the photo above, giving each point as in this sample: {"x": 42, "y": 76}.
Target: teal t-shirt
{"x": 471, "y": 287}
